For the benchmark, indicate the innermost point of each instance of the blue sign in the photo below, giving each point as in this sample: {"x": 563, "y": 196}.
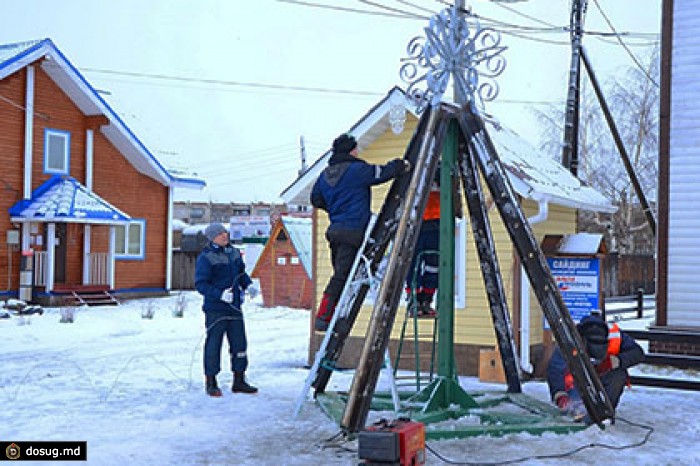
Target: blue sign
{"x": 578, "y": 281}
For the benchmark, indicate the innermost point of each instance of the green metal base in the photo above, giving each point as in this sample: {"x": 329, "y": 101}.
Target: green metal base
{"x": 468, "y": 415}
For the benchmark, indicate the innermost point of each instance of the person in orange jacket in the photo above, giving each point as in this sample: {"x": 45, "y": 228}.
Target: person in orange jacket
{"x": 422, "y": 278}
{"x": 611, "y": 351}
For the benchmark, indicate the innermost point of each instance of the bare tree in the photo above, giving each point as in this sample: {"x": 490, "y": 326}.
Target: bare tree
{"x": 633, "y": 99}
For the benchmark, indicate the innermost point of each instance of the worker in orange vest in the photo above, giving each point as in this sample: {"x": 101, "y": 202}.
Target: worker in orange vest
{"x": 610, "y": 350}
{"x": 422, "y": 278}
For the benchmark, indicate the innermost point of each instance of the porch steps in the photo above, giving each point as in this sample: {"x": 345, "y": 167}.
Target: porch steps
{"x": 94, "y": 299}
{"x": 87, "y": 296}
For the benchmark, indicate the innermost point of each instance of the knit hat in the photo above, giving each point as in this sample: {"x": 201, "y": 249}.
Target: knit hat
{"x": 344, "y": 143}
{"x": 214, "y": 230}
{"x": 595, "y": 333}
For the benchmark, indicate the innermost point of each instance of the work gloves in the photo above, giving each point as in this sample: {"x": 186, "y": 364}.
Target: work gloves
{"x": 252, "y": 291}
{"x": 227, "y": 295}
{"x": 574, "y": 408}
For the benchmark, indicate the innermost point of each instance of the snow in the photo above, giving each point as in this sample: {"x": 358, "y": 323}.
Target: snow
{"x": 132, "y": 388}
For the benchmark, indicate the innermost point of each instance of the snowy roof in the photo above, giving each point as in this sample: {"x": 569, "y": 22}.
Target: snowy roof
{"x": 65, "y": 199}
{"x": 581, "y": 243}
{"x": 536, "y": 176}
{"x": 14, "y": 57}
{"x": 299, "y": 230}
{"x": 533, "y": 174}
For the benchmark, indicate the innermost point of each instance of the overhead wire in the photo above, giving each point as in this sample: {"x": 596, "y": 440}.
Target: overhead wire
{"x": 417, "y": 7}
{"x": 222, "y": 82}
{"x": 350, "y": 10}
{"x": 395, "y": 10}
{"x": 624, "y": 46}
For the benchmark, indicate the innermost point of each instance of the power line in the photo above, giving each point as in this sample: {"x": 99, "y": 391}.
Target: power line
{"x": 392, "y": 9}
{"x": 622, "y": 43}
{"x": 417, "y": 7}
{"x": 221, "y": 82}
{"x": 349, "y": 10}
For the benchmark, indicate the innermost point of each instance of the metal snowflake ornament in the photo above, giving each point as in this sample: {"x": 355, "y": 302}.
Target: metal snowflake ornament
{"x": 453, "y": 48}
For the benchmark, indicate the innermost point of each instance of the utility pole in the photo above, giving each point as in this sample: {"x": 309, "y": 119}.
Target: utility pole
{"x": 569, "y": 156}
{"x": 302, "y": 149}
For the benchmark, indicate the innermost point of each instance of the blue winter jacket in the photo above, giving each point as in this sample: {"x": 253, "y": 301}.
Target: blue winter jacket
{"x": 344, "y": 189}
{"x": 218, "y": 268}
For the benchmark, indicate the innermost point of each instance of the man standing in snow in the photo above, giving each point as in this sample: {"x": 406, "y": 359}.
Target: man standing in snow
{"x": 221, "y": 278}
{"x": 611, "y": 352}
{"x": 344, "y": 191}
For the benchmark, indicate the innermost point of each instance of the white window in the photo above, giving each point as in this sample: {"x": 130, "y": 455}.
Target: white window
{"x": 56, "y": 152}
{"x": 131, "y": 240}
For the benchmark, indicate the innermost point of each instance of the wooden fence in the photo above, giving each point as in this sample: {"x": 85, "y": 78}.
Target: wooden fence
{"x": 183, "y": 270}
{"x": 626, "y": 275}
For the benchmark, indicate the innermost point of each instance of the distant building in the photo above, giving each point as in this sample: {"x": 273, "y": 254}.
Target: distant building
{"x": 284, "y": 265}
{"x": 207, "y": 212}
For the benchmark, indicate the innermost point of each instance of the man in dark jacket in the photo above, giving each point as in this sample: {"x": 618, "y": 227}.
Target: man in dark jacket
{"x": 221, "y": 278}
{"x": 344, "y": 191}
{"x": 611, "y": 352}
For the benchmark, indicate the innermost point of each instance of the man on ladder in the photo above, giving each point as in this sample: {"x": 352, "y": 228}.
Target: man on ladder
{"x": 344, "y": 191}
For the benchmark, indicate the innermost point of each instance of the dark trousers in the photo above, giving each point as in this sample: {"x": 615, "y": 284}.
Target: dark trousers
{"x": 423, "y": 273}
{"x": 614, "y": 383}
{"x": 344, "y": 245}
{"x": 218, "y": 325}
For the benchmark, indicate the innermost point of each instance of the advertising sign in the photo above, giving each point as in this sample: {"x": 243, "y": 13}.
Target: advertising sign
{"x": 578, "y": 281}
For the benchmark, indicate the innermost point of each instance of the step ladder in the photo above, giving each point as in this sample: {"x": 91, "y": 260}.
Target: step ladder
{"x": 417, "y": 333}
{"x": 377, "y": 240}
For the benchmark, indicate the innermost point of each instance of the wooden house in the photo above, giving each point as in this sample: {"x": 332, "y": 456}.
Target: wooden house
{"x": 550, "y": 197}
{"x": 284, "y": 265}
{"x": 678, "y": 249}
{"x": 85, "y": 204}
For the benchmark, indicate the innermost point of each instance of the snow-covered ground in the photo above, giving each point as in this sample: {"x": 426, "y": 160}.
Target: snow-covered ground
{"x": 132, "y": 388}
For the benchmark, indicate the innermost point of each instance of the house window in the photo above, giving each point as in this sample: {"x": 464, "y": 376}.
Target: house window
{"x": 131, "y": 240}
{"x": 56, "y": 151}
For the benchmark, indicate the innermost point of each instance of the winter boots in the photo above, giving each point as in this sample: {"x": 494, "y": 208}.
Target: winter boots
{"x": 421, "y": 307}
{"x": 212, "y": 387}
{"x": 325, "y": 313}
{"x": 240, "y": 385}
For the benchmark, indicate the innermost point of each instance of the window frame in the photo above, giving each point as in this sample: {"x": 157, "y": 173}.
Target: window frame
{"x": 126, "y": 255}
{"x": 48, "y": 133}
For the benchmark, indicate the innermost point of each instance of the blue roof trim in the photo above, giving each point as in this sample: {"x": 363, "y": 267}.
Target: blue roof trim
{"x": 64, "y": 198}
{"x": 113, "y": 114}
{"x": 24, "y": 53}
{"x": 51, "y": 48}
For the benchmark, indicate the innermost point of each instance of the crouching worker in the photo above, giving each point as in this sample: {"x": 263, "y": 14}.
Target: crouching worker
{"x": 221, "y": 278}
{"x": 611, "y": 352}
{"x": 344, "y": 191}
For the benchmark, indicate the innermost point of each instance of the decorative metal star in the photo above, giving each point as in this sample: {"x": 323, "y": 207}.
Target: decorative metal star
{"x": 453, "y": 48}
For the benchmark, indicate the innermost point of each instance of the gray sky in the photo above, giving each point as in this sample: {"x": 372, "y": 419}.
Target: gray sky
{"x": 251, "y": 77}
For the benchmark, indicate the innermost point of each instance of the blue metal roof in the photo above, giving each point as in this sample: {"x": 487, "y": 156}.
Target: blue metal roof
{"x": 299, "y": 230}
{"x": 64, "y": 199}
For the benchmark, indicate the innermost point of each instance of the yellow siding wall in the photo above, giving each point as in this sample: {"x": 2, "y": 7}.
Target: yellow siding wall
{"x": 560, "y": 221}
{"x": 473, "y": 323}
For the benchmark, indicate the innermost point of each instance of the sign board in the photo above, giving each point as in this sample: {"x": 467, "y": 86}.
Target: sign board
{"x": 249, "y": 227}
{"x": 578, "y": 280}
